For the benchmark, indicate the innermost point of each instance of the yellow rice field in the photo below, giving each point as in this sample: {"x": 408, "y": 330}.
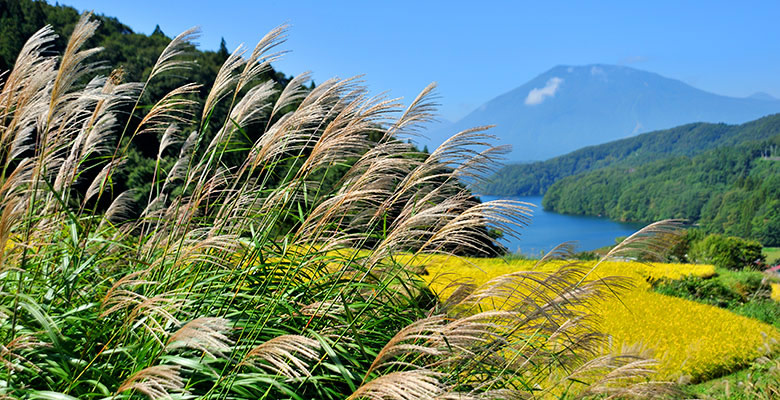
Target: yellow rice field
{"x": 688, "y": 339}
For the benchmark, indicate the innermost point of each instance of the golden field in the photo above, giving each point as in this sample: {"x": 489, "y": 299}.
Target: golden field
{"x": 690, "y": 340}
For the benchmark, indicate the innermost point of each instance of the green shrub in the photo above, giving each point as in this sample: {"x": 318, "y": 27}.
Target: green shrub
{"x": 708, "y": 291}
{"x": 744, "y": 292}
{"x": 728, "y": 252}
{"x": 762, "y": 309}
{"x": 680, "y": 252}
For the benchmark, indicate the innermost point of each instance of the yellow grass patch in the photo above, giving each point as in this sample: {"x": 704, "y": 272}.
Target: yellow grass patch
{"x": 688, "y": 338}
{"x": 776, "y": 291}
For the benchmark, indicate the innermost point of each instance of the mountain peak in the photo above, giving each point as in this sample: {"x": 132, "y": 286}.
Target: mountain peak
{"x": 590, "y": 69}
{"x": 573, "y": 106}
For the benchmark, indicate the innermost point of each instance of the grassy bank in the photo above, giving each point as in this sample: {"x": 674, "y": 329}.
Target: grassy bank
{"x": 760, "y": 381}
{"x": 745, "y": 292}
{"x": 772, "y": 255}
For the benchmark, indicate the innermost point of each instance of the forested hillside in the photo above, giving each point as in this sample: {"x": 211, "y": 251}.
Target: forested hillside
{"x": 131, "y": 57}
{"x": 534, "y": 179}
{"x": 134, "y": 52}
{"x": 733, "y": 190}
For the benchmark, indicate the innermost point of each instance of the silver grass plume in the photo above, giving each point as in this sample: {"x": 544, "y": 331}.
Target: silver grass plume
{"x": 287, "y": 355}
{"x": 204, "y": 246}
{"x": 652, "y": 240}
{"x": 345, "y": 136}
{"x": 102, "y": 178}
{"x": 157, "y": 313}
{"x": 26, "y": 68}
{"x": 260, "y": 59}
{"x": 293, "y": 92}
{"x": 171, "y": 137}
{"x": 156, "y": 382}
{"x": 205, "y": 334}
{"x": 253, "y": 105}
{"x": 174, "y": 107}
{"x": 225, "y": 80}
{"x": 414, "y": 338}
{"x": 563, "y": 251}
{"x": 119, "y": 295}
{"x": 13, "y": 209}
{"x": 26, "y": 109}
{"x": 121, "y": 207}
{"x": 11, "y": 353}
{"x": 169, "y": 58}
{"x": 72, "y": 67}
{"x": 250, "y": 108}
{"x": 417, "y": 384}
{"x": 621, "y": 376}
{"x": 421, "y": 110}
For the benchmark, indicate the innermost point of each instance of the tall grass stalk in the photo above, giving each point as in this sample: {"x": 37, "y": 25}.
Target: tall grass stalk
{"x": 247, "y": 272}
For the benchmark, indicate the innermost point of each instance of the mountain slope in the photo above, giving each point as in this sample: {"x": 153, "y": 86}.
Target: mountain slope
{"x": 762, "y": 96}
{"x": 533, "y": 179}
{"x": 731, "y": 189}
{"x": 567, "y": 108}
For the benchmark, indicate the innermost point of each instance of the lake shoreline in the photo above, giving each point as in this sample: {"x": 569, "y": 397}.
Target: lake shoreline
{"x": 548, "y": 229}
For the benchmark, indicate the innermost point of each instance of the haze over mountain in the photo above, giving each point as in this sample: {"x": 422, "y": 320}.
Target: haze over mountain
{"x": 689, "y": 140}
{"x": 762, "y": 96}
{"x": 569, "y": 107}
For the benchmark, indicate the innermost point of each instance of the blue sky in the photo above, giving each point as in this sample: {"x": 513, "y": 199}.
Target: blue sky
{"x": 477, "y": 50}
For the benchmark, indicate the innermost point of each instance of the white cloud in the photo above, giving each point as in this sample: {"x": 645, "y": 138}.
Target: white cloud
{"x": 537, "y": 95}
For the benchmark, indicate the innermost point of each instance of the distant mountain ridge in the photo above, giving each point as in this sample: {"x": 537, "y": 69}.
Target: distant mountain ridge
{"x": 570, "y": 107}
{"x": 762, "y": 96}
{"x": 533, "y": 179}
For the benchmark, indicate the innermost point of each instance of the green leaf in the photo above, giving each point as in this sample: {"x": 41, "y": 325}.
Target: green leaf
{"x": 51, "y": 396}
{"x": 348, "y": 376}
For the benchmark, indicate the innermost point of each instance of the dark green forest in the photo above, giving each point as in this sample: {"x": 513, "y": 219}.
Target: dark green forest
{"x": 132, "y": 55}
{"x": 533, "y": 179}
{"x": 134, "y": 52}
{"x": 732, "y": 190}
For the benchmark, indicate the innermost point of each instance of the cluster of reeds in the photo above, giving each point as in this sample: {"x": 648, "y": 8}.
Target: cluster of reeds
{"x": 251, "y": 279}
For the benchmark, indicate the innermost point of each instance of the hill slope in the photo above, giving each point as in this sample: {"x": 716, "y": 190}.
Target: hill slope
{"x": 133, "y": 55}
{"x": 732, "y": 190}
{"x": 533, "y": 179}
{"x": 567, "y": 108}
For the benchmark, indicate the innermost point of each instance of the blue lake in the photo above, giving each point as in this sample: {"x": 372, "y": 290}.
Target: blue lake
{"x": 549, "y": 229}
